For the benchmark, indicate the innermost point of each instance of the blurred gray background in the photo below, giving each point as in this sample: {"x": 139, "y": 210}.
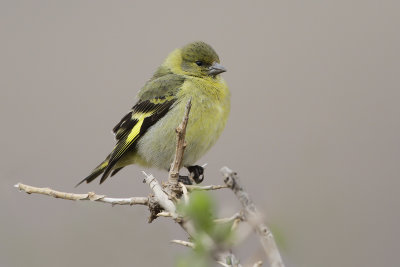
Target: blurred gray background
{"x": 313, "y": 132}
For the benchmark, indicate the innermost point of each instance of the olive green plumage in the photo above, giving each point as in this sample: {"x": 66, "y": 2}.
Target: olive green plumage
{"x": 146, "y": 135}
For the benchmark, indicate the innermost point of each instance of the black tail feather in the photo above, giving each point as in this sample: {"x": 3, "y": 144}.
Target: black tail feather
{"x": 95, "y": 173}
{"x": 106, "y": 173}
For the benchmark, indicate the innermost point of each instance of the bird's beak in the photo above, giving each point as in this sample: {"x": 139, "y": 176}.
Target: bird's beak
{"x": 215, "y": 69}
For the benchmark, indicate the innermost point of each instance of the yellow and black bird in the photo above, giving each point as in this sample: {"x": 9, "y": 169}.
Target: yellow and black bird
{"x": 146, "y": 135}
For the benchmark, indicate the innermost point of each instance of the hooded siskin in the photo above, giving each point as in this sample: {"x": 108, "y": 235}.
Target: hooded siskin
{"x": 146, "y": 135}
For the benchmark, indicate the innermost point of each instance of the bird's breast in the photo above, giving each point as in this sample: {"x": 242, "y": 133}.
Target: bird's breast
{"x": 208, "y": 116}
{"x": 207, "y": 119}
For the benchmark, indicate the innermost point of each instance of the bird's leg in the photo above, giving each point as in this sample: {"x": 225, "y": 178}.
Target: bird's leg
{"x": 196, "y": 172}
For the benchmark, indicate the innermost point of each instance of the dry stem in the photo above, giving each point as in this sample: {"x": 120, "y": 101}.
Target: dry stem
{"x": 183, "y": 243}
{"x": 159, "y": 194}
{"x": 237, "y": 216}
{"x": 206, "y": 187}
{"x": 180, "y": 147}
{"x": 89, "y": 196}
{"x": 254, "y": 218}
{"x": 163, "y": 200}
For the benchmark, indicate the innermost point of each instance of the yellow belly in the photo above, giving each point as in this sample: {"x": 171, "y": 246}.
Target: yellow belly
{"x": 207, "y": 119}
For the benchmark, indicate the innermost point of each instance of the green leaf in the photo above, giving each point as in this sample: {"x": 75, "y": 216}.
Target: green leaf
{"x": 201, "y": 210}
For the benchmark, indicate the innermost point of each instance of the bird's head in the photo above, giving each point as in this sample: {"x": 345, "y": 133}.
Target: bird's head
{"x": 194, "y": 59}
{"x": 199, "y": 59}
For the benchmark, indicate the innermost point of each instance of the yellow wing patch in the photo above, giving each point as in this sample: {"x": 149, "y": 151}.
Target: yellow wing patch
{"x": 133, "y": 125}
{"x": 136, "y": 130}
{"x": 161, "y": 100}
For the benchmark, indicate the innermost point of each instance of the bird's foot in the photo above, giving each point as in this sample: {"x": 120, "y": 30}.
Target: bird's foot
{"x": 196, "y": 173}
{"x": 185, "y": 180}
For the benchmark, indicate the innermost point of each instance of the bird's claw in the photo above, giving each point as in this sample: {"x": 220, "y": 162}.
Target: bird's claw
{"x": 196, "y": 173}
{"x": 185, "y": 180}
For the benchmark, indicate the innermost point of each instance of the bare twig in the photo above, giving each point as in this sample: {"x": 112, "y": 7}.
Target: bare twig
{"x": 160, "y": 195}
{"x": 89, "y": 196}
{"x": 180, "y": 147}
{"x": 163, "y": 200}
{"x": 184, "y": 193}
{"x": 254, "y": 218}
{"x": 183, "y": 243}
{"x": 235, "y": 219}
{"x": 236, "y": 216}
{"x": 164, "y": 214}
{"x": 207, "y": 187}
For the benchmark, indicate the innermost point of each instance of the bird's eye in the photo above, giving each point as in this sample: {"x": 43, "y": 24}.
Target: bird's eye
{"x": 199, "y": 63}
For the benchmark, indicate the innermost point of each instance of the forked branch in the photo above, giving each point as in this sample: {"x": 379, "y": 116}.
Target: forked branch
{"x": 254, "y": 218}
{"x": 162, "y": 203}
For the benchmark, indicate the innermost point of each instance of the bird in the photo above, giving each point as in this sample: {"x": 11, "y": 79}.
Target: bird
{"x": 146, "y": 135}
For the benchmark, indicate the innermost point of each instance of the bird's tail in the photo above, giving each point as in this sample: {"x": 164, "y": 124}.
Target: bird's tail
{"x": 96, "y": 172}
